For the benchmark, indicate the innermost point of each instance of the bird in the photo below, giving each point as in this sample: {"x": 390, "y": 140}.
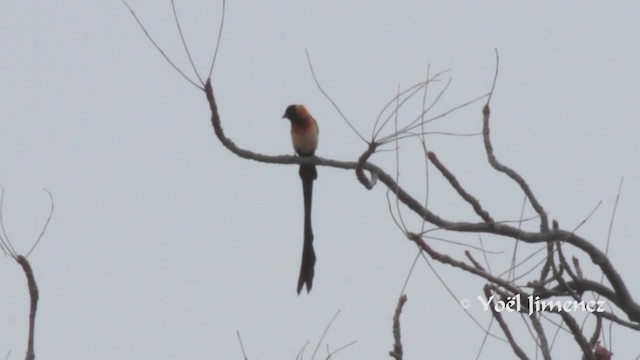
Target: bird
{"x": 304, "y": 137}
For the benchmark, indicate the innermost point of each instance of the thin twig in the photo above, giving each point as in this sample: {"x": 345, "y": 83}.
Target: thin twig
{"x": 215, "y": 53}
{"x": 330, "y": 354}
{"x": 164, "y": 55}
{"x": 397, "y": 153}
{"x": 46, "y": 224}
{"x": 301, "y": 352}
{"x": 184, "y": 42}
{"x": 395, "y": 219}
{"x": 6, "y": 245}
{"x": 413, "y": 266}
{"x": 495, "y": 77}
{"x": 440, "y": 258}
{"x": 244, "y": 355}
{"x": 326, "y": 95}
{"x": 484, "y": 254}
{"x": 407, "y": 129}
{"x": 423, "y": 143}
{"x": 613, "y": 216}
{"x": 411, "y": 91}
{"x": 512, "y": 274}
{"x": 402, "y": 102}
{"x": 462, "y": 244}
{"x": 326, "y": 330}
{"x": 475, "y": 262}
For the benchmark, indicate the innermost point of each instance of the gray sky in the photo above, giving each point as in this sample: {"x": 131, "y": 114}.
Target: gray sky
{"x": 163, "y": 244}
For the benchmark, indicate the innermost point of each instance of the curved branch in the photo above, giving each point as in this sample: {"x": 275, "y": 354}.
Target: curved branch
{"x": 33, "y": 293}
{"x": 544, "y": 222}
{"x": 362, "y": 160}
{"x": 627, "y": 304}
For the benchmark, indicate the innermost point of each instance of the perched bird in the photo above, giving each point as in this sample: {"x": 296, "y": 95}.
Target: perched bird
{"x": 304, "y": 136}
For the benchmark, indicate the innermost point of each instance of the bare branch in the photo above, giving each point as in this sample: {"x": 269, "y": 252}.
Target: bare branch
{"x": 475, "y": 262}
{"x": 368, "y": 184}
{"x": 503, "y": 325}
{"x": 543, "y": 344}
{"x": 544, "y": 226}
{"x": 461, "y": 191}
{"x": 627, "y": 304}
{"x": 577, "y": 334}
{"x": 33, "y": 294}
{"x": 397, "y": 342}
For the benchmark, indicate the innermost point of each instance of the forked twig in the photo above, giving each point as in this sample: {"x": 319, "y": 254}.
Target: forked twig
{"x": 331, "y": 353}
{"x": 164, "y": 55}
{"x": 326, "y": 330}
{"x": 184, "y": 42}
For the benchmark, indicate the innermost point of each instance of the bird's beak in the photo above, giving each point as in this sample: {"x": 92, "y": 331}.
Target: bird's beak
{"x": 284, "y": 116}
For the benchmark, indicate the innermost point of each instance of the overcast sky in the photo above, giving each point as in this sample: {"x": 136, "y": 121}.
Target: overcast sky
{"x": 163, "y": 244}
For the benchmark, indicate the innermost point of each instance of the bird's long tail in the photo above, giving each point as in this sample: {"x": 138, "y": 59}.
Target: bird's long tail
{"x": 308, "y": 174}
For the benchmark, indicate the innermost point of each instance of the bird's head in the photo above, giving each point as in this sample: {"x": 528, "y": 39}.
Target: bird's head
{"x": 291, "y": 113}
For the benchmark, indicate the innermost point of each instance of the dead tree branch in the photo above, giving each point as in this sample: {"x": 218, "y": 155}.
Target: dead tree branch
{"x": 397, "y": 341}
